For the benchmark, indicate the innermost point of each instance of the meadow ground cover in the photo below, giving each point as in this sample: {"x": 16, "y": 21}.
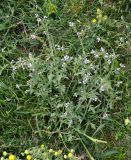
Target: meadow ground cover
{"x": 65, "y": 79}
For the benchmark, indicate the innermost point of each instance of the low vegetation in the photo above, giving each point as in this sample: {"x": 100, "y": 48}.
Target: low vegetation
{"x": 65, "y": 79}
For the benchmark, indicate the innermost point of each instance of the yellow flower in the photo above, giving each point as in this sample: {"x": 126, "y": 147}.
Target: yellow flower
{"x": 52, "y": 8}
{"x": 42, "y": 145}
{"x": 72, "y": 150}
{"x": 28, "y": 157}
{"x": 56, "y": 153}
{"x": 45, "y": 153}
{"x": 65, "y": 156}
{"x": 93, "y": 20}
{"x": 70, "y": 155}
{"x": 98, "y": 11}
{"x": 50, "y": 150}
{"x": 99, "y": 16}
{"x": 105, "y": 18}
{"x": 127, "y": 121}
{"x": 11, "y": 157}
{"x": 26, "y": 151}
{"x": 5, "y": 153}
{"x": 2, "y": 158}
{"x": 59, "y": 152}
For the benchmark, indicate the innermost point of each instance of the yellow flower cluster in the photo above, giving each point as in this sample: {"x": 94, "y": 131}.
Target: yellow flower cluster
{"x": 127, "y": 121}
{"x": 28, "y": 157}
{"x": 11, "y": 157}
{"x": 30, "y": 154}
{"x": 27, "y": 153}
{"x": 93, "y": 20}
{"x": 99, "y": 16}
{"x": 59, "y": 152}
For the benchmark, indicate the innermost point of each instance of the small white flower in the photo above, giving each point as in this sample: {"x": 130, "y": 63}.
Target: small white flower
{"x": 65, "y": 114}
{"x": 67, "y": 58}
{"x": 106, "y": 55}
{"x": 19, "y": 59}
{"x": 45, "y": 17}
{"x": 39, "y": 19}
{"x": 109, "y": 61}
{"x": 96, "y": 56}
{"x": 29, "y": 82}
{"x": 119, "y": 83}
{"x": 120, "y": 44}
{"x": 122, "y": 65}
{"x": 118, "y": 69}
{"x": 36, "y": 15}
{"x": 86, "y": 78}
{"x": 44, "y": 32}
{"x": 102, "y": 88}
{"x": 14, "y": 68}
{"x": 92, "y": 51}
{"x": 62, "y": 48}
{"x": 102, "y": 49}
{"x": 86, "y": 61}
{"x": 121, "y": 39}
{"x": 105, "y": 115}
{"x": 30, "y": 55}
{"x": 75, "y": 95}
{"x": 84, "y": 81}
{"x": 98, "y": 39}
{"x": 30, "y": 65}
{"x": 87, "y": 74}
{"x": 95, "y": 99}
{"x": 80, "y": 82}
{"x": 67, "y": 104}
{"x": 78, "y": 33}
{"x": 33, "y": 36}
{"x": 113, "y": 56}
{"x": 12, "y": 61}
{"x": 64, "y": 64}
{"x": 92, "y": 66}
{"x": 17, "y": 86}
{"x": 71, "y": 24}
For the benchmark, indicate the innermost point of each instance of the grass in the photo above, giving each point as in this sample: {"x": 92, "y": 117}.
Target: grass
{"x": 65, "y": 76}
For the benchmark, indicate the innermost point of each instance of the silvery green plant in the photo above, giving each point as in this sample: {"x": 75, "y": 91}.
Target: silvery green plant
{"x": 73, "y": 90}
